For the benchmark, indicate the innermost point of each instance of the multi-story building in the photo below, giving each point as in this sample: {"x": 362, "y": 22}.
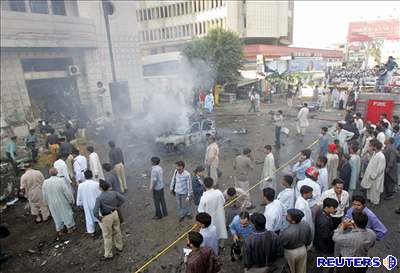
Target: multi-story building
{"x": 165, "y": 25}
{"x": 54, "y": 53}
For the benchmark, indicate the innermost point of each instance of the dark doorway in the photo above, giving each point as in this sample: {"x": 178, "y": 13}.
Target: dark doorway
{"x": 53, "y": 99}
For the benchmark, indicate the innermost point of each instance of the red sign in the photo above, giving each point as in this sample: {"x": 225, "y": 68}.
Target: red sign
{"x": 370, "y": 30}
{"x": 378, "y": 107}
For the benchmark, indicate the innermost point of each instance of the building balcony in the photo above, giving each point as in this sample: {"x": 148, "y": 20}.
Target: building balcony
{"x": 22, "y": 30}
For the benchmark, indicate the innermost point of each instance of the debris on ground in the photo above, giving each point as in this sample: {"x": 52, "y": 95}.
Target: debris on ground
{"x": 241, "y": 131}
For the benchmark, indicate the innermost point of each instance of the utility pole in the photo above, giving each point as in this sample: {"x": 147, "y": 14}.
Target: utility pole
{"x": 108, "y": 9}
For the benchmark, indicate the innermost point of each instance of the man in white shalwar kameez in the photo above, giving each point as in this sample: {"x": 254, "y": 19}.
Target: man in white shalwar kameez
{"x": 80, "y": 166}
{"x": 302, "y": 120}
{"x": 58, "y": 196}
{"x": 212, "y": 202}
{"x": 343, "y": 136}
{"x": 88, "y": 191}
{"x": 212, "y": 159}
{"x": 62, "y": 171}
{"x": 95, "y": 164}
{"x": 302, "y": 204}
{"x": 375, "y": 174}
{"x": 335, "y": 98}
{"x": 269, "y": 178}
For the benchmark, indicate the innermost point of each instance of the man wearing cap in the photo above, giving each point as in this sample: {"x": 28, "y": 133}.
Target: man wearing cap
{"x": 333, "y": 162}
{"x": 295, "y": 240}
{"x": 197, "y": 184}
{"x": 306, "y": 193}
{"x": 311, "y": 181}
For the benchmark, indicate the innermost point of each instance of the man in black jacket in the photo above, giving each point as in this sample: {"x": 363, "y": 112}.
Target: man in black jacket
{"x": 345, "y": 171}
{"x": 324, "y": 229}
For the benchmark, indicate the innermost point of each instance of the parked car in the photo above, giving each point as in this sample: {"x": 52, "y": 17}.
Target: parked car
{"x": 180, "y": 141}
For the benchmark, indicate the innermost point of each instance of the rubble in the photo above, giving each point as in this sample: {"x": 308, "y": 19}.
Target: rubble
{"x": 241, "y": 131}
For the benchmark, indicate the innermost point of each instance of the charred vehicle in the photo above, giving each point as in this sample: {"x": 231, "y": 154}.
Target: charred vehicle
{"x": 179, "y": 141}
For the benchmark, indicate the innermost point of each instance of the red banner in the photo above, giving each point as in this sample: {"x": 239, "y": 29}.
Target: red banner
{"x": 370, "y": 30}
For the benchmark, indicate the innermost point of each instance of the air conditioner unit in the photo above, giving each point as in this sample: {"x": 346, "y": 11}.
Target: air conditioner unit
{"x": 73, "y": 70}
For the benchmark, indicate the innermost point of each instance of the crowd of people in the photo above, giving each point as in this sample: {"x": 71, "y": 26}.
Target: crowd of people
{"x": 322, "y": 206}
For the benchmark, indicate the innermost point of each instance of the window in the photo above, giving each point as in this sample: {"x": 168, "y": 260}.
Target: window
{"x": 157, "y": 13}
{"x": 170, "y": 11}
{"x": 162, "y": 12}
{"x": 244, "y": 21}
{"x": 195, "y": 29}
{"x": 50, "y": 64}
{"x": 195, "y": 6}
{"x": 39, "y": 6}
{"x": 212, "y": 4}
{"x": 200, "y": 28}
{"x": 58, "y": 7}
{"x": 182, "y": 9}
{"x": 190, "y": 10}
{"x": 144, "y": 15}
{"x": 149, "y": 14}
{"x": 17, "y": 5}
{"x": 220, "y": 3}
{"x": 178, "y": 10}
{"x": 151, "y": 35}
{"x": 166, "y": 12}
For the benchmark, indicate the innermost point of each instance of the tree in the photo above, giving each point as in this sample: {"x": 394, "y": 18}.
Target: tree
{"x": 221, "y": 51}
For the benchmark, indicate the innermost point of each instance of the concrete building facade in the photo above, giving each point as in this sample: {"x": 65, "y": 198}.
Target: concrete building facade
{"x": 164, "y": 26}
{"x": 58, "y": 49}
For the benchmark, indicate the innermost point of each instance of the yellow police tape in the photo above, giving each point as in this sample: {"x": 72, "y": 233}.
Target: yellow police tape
{"x": 226, "y": 205}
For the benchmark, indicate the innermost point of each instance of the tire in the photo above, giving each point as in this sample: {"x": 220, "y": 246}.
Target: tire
{"x": 180, "y": 148}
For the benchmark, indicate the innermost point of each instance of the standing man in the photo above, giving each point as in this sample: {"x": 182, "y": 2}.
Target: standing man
{"x": 274, "y": 211}
{"x": 345, "y": 171}
{"x": 341, "y": 196}
{"x": 242, "y": 165}
{"x": 335, "y": 98}
{"x": 262, "y": 248}
{"x": 252, "y": 98}
{"x": 105, "y": 210}
{"x": 157, "y": 186}
{"x": 333, "y": 162}
{"x": 212, "y": 159}
{"x": 323, "y": 142}
{"x": 302, "y": 120}
{"x": 359, "y": 123}
{"x": 58, "y": 196}
{"x": 373, "y": 179}
{"x": 374, "y": 223}
{"x": 80, "y": 166}
{"x": 306, "y": 193}
{"x": 304, "y": 162}
{"x": 311, "y": 181}
{"x": 111, "y": 177}
{"x": 202, "y": 258}
{"x": 324, "y": 228}
{"x": 278, "y": 120}
{"x": 209, "y": 102}
{"x": 322, "y": 181}
{"x": 198, "y": 184}
{"x": 390, "y": 179}
{"x": 30, "y": 143}
{"x": 287, "y": 196}
{"x": 295, "y": 240}
{"x": 52, "y": 143}
{"x": 181, "y": 187}
{"x": 31, "y": 184}
{"x": 88, "y": 191}
{"x": 269, "y": 179}
{"x": 354, "y": 239}
{"x": 212, "y": 202}
{"x": 62, "y": 170}
{"x": 94, "y": 164}
{"x": 208, "y": 231}
{"x": 343, "y": 136}
{"x": 117, "y": 162}
{"x": 355, "y": 164}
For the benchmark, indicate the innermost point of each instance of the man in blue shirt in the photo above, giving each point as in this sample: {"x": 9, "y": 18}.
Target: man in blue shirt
{"x": 323, "y": 142}
{"x": 208, "y": 231}
{"x": 299, "y": 169}
{"x": 373, "y": 222}
{"x": 181, "y": 187}
{"x": 157, "y": 186}
{"x": 241, "y": 228}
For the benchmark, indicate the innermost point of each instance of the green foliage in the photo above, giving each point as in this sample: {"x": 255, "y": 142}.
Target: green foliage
{"x": 221, "y": 51}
